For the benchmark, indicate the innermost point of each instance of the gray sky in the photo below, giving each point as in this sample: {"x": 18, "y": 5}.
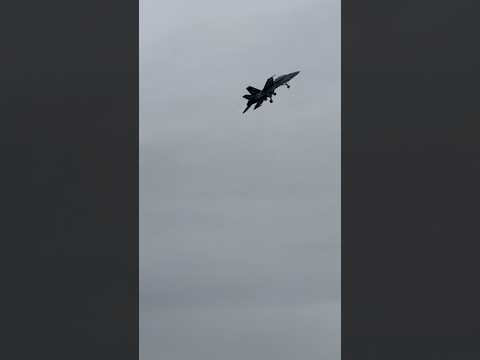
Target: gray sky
{"x": 239, "y": 213}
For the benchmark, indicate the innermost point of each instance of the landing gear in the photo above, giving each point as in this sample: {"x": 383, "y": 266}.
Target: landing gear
{"x": 288, "y": 86}
{"x": 271, "y": 100}
{"x": 274, "y": 94}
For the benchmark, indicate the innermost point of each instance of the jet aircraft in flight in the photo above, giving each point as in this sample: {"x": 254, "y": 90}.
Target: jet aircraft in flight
{"x": 257, "y": 96}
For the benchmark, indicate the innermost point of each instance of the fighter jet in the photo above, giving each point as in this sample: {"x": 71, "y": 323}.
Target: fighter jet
{"x": 257, "y": 96}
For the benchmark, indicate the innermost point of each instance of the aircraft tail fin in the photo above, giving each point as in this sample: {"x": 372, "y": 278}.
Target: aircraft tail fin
{"x": 248, "y": 97}
{"x": 248, "y": 107}
{"x": 252, "y": 90}
{"x": 258, "y": 104}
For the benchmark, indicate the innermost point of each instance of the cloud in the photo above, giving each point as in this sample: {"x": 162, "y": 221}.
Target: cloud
{"x": 236, "y": 333}
{"x": 239, "y": 213}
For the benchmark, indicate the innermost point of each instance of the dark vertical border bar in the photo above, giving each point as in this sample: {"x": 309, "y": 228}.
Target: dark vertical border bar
{"x": 69, "y": 141}
{"x": 410, "y": 180}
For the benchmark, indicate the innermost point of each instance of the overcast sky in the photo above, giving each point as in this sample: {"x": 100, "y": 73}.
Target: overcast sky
{"x": 239, "y": 213}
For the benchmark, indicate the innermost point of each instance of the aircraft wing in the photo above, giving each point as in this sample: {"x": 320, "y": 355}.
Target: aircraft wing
{"x": 258, "y": 104}
{"x": 252, "y": 90}
{"x": 278, "y": 82}
{"x": 269, "y": 83}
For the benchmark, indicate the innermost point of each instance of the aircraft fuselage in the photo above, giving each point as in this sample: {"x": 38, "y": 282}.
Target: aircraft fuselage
{"x": 284, "y": 79}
